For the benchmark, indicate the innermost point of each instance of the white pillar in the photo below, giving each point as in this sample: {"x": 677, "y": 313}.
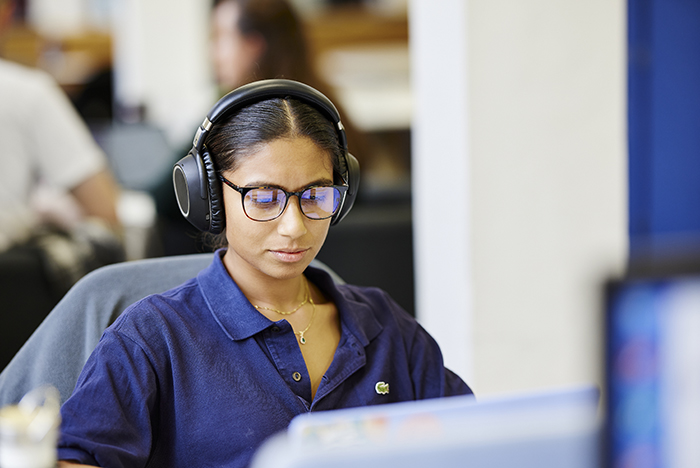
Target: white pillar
{"x": 441, "y": 177}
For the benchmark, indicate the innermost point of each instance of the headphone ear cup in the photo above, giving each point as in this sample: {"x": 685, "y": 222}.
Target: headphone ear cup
{"x": 217, "y": 220}
{"x": 353, "y": 175}
{"x": 191, "y": 191}
{"x": 353, "y": 180}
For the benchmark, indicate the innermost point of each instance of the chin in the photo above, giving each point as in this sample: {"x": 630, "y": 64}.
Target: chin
{"x": 285, "y": 270}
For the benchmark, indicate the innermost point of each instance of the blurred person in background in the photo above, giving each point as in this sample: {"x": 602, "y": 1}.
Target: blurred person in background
{"x": 251, "y": 40}
{"x": 258, "y": 38}
{"x": 58, "y": 214}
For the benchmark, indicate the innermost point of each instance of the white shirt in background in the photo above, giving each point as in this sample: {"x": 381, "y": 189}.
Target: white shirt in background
{"x": 43, "y": 141}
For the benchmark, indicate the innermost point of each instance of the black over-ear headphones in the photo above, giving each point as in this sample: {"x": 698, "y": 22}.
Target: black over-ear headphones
{"x": 197, "y": 184}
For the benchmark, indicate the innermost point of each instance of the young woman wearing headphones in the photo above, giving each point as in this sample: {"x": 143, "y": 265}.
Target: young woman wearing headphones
{"x": 203, "y": 374}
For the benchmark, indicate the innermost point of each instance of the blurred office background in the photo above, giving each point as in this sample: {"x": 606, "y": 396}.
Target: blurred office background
{"x": 524, "y": 152}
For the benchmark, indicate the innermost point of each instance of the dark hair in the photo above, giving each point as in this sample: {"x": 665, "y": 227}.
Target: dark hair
{"x": 245, "y": 131}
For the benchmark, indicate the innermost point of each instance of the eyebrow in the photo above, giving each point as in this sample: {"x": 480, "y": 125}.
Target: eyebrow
{"x": 317, "y": 182}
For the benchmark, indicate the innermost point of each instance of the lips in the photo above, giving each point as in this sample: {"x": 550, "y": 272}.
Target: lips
{"x": 289, "y": 255}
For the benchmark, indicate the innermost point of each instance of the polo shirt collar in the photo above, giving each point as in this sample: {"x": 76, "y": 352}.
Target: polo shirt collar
{"x": 240, "y": 320}
{"x": 231, "y": 309}
{"x": 357, "y": 316}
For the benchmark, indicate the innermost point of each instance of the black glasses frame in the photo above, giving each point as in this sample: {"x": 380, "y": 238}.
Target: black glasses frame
{"x": 287, "y": 195}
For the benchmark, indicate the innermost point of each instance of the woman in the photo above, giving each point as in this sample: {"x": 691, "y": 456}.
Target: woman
{"x": 203, "y": 374}
{"x": 251, "y": 40}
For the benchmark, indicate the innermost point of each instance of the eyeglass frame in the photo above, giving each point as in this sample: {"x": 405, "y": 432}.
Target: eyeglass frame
{"x": 287, "y": 195}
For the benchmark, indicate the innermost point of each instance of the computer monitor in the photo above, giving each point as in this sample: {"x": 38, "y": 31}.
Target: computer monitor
{"x": 549, "y": 429}
{"x": 653, "y": 372}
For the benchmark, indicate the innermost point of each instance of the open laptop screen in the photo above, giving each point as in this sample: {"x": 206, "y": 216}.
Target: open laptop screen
{"x": 547, "y": 429}
{"x": 653, "y": 372}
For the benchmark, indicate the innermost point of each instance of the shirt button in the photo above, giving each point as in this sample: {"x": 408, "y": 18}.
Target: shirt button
{"x": 296, "y": 376}
{"x": 275, "y": 329}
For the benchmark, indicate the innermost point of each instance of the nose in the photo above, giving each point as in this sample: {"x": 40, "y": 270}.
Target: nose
{"x": 292, "y": 223}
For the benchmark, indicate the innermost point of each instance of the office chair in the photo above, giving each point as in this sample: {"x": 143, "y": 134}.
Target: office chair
{"x": 26, "y": 297}
{"x": 57, "y": 350}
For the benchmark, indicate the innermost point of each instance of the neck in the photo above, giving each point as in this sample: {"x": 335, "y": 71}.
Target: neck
{"x": 264, "y": 290}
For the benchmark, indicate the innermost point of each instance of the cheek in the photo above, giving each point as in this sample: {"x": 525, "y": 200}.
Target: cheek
{"x": 235, "y": 218}
{"x": 227, "y": 52}
{"x": 245, "y": 236}
{"x": 221, "y": 48}
{"x": 319, "y": 230}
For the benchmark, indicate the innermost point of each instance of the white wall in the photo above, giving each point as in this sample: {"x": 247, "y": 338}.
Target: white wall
{"x": 162, "y": 62}
{"x": 440, "y": 168}
{"x": 546, "y": 184}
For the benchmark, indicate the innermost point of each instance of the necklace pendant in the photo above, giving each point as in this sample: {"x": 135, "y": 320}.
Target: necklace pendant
{"x": 302, "y": 340}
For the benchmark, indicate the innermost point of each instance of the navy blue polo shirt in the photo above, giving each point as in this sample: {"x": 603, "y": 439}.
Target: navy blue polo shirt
{"x": 197, "y": 376}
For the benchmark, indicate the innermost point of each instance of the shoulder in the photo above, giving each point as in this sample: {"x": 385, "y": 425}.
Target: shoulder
{"x": 19, "y": 81}
{"x": 337, "y": 290}
{"x": 155, "y": 331}
{"x": 399, "y": 329}
{"x": 360, "y": 301}
{"x": 371, "y": 312}
{"x": 376, "y": 300}
{"x": 11, "y": 72}
{"x": 22, "y": 89}
{"x": 157, "y": 317}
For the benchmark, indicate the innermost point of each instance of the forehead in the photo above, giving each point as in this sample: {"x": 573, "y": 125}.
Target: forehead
{"x": 225, "y": 15}
{"x": 287, "y": 162}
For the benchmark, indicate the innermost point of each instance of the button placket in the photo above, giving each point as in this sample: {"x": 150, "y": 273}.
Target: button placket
{"x": 285, "y": 353}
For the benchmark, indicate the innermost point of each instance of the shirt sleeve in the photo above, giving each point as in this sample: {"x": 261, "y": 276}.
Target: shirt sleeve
{"x": 430, "y": 377}
{"x": 107, "y": 420}
{"x": 60, "y": 142}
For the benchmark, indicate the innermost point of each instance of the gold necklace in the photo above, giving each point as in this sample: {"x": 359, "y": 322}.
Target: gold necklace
{"x": 281, "y": 312}
{"x": 302, "y": 340}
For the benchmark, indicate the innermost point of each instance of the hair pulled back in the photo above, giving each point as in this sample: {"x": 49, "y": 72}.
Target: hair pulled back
{"x": 245, "y": 131}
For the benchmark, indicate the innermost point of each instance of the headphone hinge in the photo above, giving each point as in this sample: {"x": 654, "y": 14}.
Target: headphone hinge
{"x": 201, "y": 130}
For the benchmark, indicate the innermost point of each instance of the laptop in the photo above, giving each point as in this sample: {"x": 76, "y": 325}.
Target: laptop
{"x": 556, "y": 428}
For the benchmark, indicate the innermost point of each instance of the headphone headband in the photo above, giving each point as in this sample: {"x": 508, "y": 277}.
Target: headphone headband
{"x": 269, "y": 89}
{"x": 197, "y": 186}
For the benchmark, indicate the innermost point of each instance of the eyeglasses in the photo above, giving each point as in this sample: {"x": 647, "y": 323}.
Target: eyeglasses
{"x": 268, "y": 203}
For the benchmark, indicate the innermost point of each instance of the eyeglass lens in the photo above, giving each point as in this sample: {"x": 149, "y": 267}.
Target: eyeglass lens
{"x": 263, "y": 204}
